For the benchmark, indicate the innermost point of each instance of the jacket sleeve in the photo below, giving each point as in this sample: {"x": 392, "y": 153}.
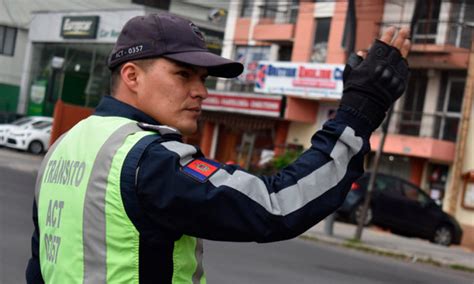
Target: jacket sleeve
{"x": 33, "y": 270}
{"x": 234, "y": 205}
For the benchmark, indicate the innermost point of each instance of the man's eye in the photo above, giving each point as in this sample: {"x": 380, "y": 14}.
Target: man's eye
{"x": 184, "y": 74}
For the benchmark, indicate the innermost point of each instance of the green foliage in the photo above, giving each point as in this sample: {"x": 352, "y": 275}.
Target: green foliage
{"x": 284, "y": 160}
{"x": 277, "y": 163}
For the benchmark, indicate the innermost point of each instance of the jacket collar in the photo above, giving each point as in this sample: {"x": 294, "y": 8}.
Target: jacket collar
{"x": 110, "y": 106}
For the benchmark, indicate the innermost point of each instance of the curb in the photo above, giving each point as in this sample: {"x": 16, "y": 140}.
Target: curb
{"x": 363, "y": 247}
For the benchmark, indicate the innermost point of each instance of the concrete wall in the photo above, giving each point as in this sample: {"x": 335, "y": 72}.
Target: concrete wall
{"x": 300, "y": 133}
{"x": 304, "y": 33}
{"x": 464, "y": 215}
{"x": 469, "y": 156}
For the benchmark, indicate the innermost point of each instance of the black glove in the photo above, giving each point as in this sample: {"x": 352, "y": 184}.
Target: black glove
{"x": 373, "y": 84}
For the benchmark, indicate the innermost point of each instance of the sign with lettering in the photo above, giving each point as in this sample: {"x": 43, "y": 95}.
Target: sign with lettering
{"x": 244, "y": 103}
{"x": 312, "y": 80}
{"x": 80, "y": 27}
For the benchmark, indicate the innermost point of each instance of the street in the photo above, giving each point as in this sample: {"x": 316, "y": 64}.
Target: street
{"x": 300, "y": 261}
{"x": 295, "y": 261}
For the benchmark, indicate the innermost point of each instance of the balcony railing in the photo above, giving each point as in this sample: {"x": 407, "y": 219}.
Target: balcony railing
{"x": 439, "y": 125}
{"x": 279, "y": 13}
{"x": 458, "y": 34}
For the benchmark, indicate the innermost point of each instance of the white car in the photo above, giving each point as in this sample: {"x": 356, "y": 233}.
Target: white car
{"x": 33, "y": 138}
{"x": 22, "y": 122}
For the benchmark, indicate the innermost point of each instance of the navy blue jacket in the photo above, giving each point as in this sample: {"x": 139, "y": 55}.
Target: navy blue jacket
{"x": 167, "y": 198}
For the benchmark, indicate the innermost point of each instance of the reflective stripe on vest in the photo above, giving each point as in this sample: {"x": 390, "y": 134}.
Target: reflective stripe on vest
{"x": 85, "y": 233}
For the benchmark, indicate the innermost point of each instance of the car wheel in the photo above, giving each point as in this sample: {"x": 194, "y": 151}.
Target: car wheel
{"x": 36, "y": 147}
{"x": 356, "y": 214}
{"x": 443, "y": 235}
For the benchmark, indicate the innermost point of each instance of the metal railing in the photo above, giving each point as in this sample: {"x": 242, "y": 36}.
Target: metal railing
{"x": 280, "y": 13}
{"x": 455, "y": 33}
{"x": 438, "y": 125}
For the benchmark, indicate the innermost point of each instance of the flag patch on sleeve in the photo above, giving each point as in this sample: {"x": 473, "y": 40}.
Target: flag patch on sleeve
{"x": 201, "y": 169}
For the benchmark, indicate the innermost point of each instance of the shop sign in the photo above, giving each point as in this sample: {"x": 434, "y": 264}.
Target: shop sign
{"x": 37, "y": 97}
{"x": 250, "y": 56}
{"x": 244, "y": 103}
{"x": 312, "y": 80}
{"x": 80, "y": 27}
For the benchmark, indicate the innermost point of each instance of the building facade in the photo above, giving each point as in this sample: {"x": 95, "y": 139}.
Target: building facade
{"x": 13, "y": 39}
{"x": 424, "y": 135}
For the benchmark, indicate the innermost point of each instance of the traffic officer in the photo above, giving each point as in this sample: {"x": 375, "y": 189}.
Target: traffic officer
{"x": 121, "y": 199}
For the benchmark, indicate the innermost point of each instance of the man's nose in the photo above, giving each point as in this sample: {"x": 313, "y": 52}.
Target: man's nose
{"x": 199, "y": 90}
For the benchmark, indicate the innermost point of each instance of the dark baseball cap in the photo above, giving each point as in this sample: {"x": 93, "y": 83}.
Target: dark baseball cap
{"x": 166, "y": 35}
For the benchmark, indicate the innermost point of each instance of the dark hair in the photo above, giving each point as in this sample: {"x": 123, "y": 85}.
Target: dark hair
{"x": 115, "y": 72}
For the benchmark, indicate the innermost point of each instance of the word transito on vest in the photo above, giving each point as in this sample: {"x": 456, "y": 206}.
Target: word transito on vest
{"x": 65, "y": 172}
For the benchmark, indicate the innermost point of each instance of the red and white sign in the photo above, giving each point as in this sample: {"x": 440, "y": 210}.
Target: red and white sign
{"x": 244, "y": 103}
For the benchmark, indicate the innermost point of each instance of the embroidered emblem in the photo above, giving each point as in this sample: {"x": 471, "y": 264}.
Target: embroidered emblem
{"x": 196, "y": 31}
{"x": 201, "y": 169}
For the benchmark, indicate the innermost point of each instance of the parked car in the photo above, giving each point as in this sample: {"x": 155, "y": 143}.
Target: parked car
{"x": 23, "y": 122}
{"x": 401, "y": 207}
{"x": 33, "y": 138}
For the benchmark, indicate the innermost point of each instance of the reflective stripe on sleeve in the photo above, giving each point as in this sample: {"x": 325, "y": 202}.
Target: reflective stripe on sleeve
{"x": 185, "y": 151}
{"x": 294, "y": 197}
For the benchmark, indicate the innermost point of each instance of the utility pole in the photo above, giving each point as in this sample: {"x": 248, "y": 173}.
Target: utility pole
{"x": 348, "y": 42}
{"x": 462, "y": 133}
{"x": 375, "y": 168}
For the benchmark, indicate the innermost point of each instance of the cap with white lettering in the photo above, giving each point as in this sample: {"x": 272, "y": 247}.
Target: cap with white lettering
{"x": 166, "y": 35}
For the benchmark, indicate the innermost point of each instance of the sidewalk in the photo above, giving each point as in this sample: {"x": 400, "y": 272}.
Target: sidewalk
{"x": 385, "y": 242}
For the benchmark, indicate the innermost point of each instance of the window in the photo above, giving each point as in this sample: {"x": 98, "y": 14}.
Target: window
{"x": 321, "y": 37}
{"x": 414, "y": 194}
{"x": 426, "y": 19}
{"x": 284, "y": 52}
{"x": 7, "y": 40}
{"x": 41, "y": 124}
{"x": 388, "y": 186}
{"x": 410, "y": 192}
{"x": 461, "y": 19}
{"x": 246, "y": 10}
{"x": 412, "y": 112}
{"x": 269, "y": 9}
{"x": 449, "y": 109}
{"x": 21, "y": 121}
{"x": 279, "y": 12}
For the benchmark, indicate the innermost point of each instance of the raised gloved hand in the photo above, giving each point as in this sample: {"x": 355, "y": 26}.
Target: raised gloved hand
{"x": 372, "y": 84}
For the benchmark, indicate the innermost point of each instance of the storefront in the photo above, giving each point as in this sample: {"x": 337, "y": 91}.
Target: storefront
{"x": 67, "y": 54}
{"x": 243, "y": 128}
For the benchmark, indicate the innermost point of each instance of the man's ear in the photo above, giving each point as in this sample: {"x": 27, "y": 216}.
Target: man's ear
{"x": 129, "y": 74}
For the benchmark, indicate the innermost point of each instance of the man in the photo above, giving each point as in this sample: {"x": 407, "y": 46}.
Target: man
{"x": 121, "y": 199}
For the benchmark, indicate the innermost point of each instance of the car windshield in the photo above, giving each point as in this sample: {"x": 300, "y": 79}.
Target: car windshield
{"x": 41, "y": 124}
{"x": 21, "y": 121}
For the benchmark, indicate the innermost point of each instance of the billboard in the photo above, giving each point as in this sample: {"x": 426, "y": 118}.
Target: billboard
{"x": 311, "y": 80}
